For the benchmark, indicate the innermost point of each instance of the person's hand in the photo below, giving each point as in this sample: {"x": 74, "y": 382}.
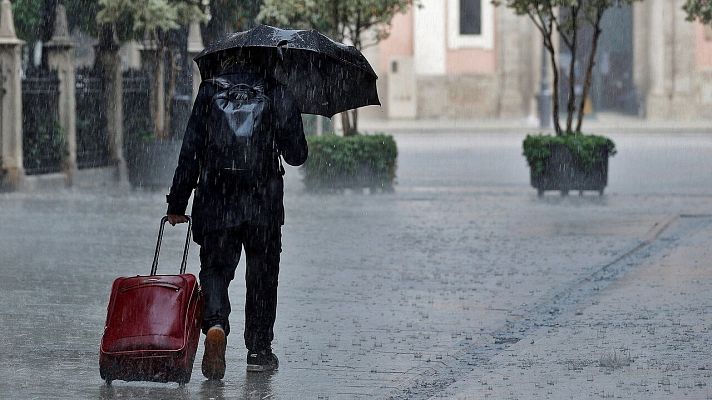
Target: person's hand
{"x": 176, "y": 219}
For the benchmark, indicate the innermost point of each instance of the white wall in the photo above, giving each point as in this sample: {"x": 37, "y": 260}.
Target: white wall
{"x": 430, "y": 39}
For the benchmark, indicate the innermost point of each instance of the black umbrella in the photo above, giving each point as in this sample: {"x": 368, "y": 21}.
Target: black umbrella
{"x": 325, "y": 76}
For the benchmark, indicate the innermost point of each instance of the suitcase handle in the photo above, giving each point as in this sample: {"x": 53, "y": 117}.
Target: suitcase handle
{"x": 154, "y": 268}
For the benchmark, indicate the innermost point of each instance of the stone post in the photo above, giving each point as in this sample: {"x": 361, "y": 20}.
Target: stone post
{"x": 195, "y": 46}
{"x": 108, "y": 64}
{"x": 511, "y": 103}
{"x": 683, "y": 65}
{"x": 12, "y": 172}
{"x": 657, "y": 98}
{"x": 671, "y": 61}
{"x": 543, "y": 97}
{"x": 60, "y": 57}
{"x": 152, "y": 59}
{"x": 641, "y": 53}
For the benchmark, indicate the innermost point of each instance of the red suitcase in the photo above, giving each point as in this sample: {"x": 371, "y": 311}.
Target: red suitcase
{"x": 152, "y": 325}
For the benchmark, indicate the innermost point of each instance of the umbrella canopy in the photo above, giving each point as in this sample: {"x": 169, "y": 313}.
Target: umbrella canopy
{"x": 325, "y": 76}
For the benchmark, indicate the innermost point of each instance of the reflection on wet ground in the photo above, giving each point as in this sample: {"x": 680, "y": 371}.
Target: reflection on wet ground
{"x": 248, "y": 386}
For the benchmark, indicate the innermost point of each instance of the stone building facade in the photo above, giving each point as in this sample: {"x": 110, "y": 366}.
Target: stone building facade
{"x": 437, "y": 63}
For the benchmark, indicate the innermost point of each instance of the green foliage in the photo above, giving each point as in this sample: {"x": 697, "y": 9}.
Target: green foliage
{"x": 342, "y": 19}
{"x": 229, "y": 16}
{"x": 81, "y": 14}
{"x": 298, "y": 14}
{"x": 586, "y": 149}
{"x": 27, "y": 15}
{"x": 47, "y": 146}
{"x": 141, "y": 137}
{"x": 135, "y": 18}
{"x": 131, "y": 18}
{"x": 548, "y": 8}
{"x": 31, "y": 26}
{"x": 700, "y": 10}
{"x": 353, "y": 161}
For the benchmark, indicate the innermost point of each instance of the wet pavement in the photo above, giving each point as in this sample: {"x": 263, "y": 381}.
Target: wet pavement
{"x": 462, "y": 276}
{"x": 642, "y": 334}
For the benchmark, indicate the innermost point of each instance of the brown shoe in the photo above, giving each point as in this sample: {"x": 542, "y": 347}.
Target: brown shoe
{"x": 214, "y": 357}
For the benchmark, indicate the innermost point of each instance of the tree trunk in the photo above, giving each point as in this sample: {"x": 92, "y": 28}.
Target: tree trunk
{"x": 589, "y": 68}
{"x": 571, "y": 101}
{"x": 219, "y": 24}
{"x": 544, "y": 22}
{"x": 159, "y": 93}
{"x": 555, "y": 95}
{"x": 337, "y": 21}
{"x": 171, "y": 92}
{"x": 46, "y": 25}
{"x": 345, "y": 125}
{"x": 108, "y": 64}
{"x": 356, "y": 39}
{"x": 349, "y": 122}
{"x": 354, "y": 121}
{"x": 548, "y": 32}
{"x": 47, "y": 17}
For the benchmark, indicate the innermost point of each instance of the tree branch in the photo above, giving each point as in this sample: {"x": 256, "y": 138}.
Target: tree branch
{"x": 539, "y": 24}
{"x": 545, "y": 25}
{"x": 555, "y": 73}
{"x": 567, "y": 41}
{"x": 591, "y": 63}
{"x": 571, "y": 101}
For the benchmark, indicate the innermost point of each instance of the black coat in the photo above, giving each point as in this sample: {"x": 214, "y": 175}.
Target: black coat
{"x": 221, "y": 202}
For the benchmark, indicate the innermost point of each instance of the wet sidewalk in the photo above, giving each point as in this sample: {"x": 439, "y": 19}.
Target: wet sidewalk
{"x": 383, "y": 296}
{"x": 600, "y": 123}
{"x": 636, "y": 329}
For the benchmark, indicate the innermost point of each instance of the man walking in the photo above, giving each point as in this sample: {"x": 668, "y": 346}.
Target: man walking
{"x": 241, "y": 123}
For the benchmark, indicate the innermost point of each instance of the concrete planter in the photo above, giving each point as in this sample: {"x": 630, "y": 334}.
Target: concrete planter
{"x": 364, "y": 177}
{"x": 563, "y": 172}
{"x": 151, "y": 164}
{"x": 4, "y": 184}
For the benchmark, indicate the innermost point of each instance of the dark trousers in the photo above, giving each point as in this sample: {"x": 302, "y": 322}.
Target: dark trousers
{"x": 219, "y": 256}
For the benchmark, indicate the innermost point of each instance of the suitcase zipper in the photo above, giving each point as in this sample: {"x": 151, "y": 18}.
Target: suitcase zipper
{"x": 146, "y": 284}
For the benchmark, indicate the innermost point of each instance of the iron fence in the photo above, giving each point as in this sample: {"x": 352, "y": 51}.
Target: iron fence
{"x": 44, "y": 145}
{"x": 138, "y": 124}
{"x": 2, "y": 95}
{"x": 92, "y": 132}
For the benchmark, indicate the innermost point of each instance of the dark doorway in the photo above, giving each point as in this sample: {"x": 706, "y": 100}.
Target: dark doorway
{"x": 613, "y": 87}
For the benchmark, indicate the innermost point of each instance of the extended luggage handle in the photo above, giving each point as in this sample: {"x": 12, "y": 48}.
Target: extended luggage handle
{"x": 154, "y": 268}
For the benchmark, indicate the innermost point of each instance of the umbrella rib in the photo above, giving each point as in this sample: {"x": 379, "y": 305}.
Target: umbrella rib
{"x": 309, "y": 50}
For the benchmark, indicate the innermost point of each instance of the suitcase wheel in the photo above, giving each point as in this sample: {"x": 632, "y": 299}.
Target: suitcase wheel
{"x": 104, "y": 373}
{"x": 183, "y": 379}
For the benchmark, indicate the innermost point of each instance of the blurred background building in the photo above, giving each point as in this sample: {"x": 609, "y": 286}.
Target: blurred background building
{"x": 467, "y": 59}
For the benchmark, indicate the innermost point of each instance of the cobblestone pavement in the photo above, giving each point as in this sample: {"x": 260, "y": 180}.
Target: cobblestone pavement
{"x": 397, "y": 295}
{"x": 643, "y": 333}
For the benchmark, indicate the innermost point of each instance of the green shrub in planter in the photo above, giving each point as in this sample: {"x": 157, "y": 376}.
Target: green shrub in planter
{"x": 568, "y": 162}
{"x": 585, "y": 149}
{"x": 338, "y": 162}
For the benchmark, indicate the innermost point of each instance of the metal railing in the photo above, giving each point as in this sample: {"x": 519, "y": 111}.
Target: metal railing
{"x": 92, "y": 132}
{"x": 44, "y": 145}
